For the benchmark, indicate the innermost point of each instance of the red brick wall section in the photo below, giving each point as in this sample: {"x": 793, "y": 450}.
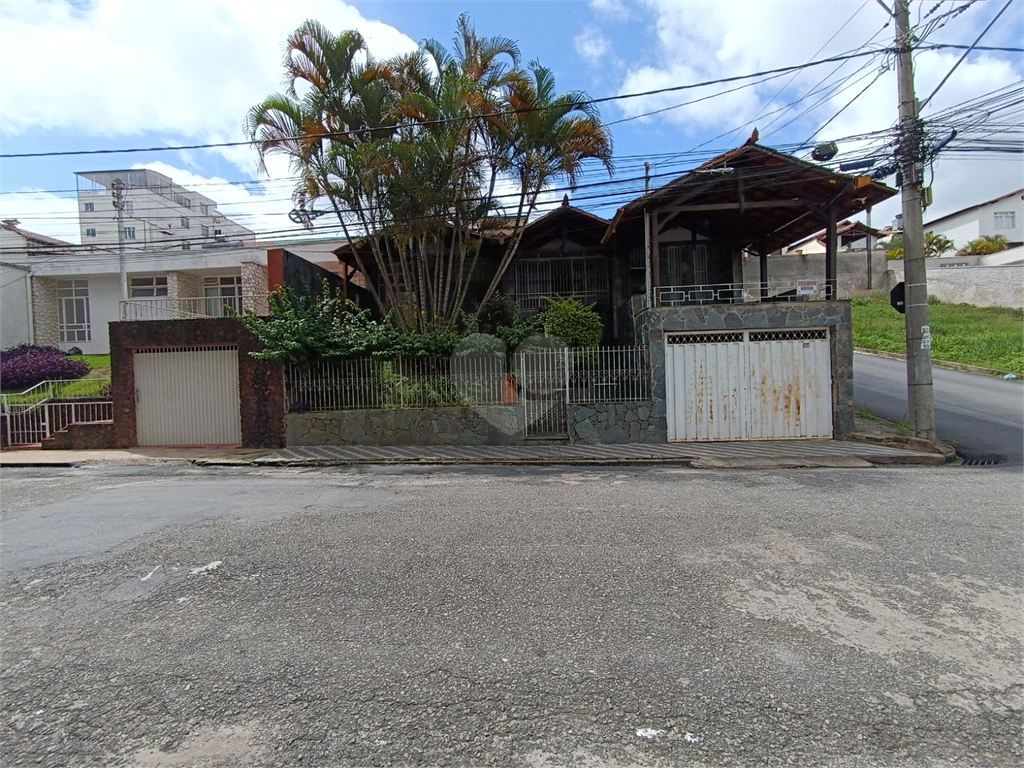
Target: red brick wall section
{"x": 261, "y": 384}
{"x": 81, "y": 437}
{"x": 275, "y": 268}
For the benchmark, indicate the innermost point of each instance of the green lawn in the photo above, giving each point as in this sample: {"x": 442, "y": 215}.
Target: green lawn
{"x": 88, "y": 386}
{"x": 99, "y": 365}
{"x": 991, "y": 337}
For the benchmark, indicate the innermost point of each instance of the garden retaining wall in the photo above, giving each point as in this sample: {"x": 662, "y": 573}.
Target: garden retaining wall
{"x": 590, "y": 424}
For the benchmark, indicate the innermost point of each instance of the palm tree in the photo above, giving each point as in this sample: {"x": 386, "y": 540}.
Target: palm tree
{"x": 408, "y": 152}
{"x": 548, "y": 136}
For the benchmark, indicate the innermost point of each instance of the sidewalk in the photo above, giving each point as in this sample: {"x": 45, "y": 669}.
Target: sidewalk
{"x": 732, "y": 455}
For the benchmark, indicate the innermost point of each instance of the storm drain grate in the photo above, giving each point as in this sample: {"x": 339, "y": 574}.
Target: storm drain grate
{"x": 980, "y": 461}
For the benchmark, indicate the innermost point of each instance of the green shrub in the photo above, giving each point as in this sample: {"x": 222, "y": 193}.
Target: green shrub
{"x": 572, "y": 322}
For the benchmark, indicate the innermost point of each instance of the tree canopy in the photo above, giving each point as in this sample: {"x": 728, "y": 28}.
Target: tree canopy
{"x": 409, "y": 154}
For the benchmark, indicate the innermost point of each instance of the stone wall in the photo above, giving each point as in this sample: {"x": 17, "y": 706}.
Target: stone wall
{"x": 254, "y": 288}
{"x": 260, "y": 384}
{"x": 988, "y": 286}
{"x": 482, "y": 425}
{"x": 45, "y": 318}
{"x": 617, "y": 423}
{"x": 589, "y": 424}
{"x": 833, "y": 315}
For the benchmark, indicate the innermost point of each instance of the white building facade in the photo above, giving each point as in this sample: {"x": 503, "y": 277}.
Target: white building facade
{"x": 1002, "y": 216}
{"x": 183, "y": 259}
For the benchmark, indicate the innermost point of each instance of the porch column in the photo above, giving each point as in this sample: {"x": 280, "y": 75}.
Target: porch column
{"x": 762, "y": 257}
{"x": 255, "y": 288}
{"x": 45, "y": 314}
{"x": 655, "y": 255}
{"x": 831, "y": 255}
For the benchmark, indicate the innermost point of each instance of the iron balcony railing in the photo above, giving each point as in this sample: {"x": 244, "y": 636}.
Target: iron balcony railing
{"x": 745, "y": 293}
{"x": 166, "y": 308}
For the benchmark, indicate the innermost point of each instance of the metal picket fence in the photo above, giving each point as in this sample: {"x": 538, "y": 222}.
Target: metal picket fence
{"x": 613, "y": 374}
{"x": 31, "y": 416}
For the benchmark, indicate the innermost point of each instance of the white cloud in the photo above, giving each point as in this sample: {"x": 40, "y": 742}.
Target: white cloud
{"x": 592, "y": 46}
{"x": 43, "y": 213}
{"x": 183, "y": 69}
{"x": 611, "y": 9}
{"x": 706, "y": 39}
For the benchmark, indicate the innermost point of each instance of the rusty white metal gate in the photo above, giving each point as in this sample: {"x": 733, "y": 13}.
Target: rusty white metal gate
{"x": 748, "y": 385}
{"x": 187, "y": 396}
{"x": 545, "y": 387}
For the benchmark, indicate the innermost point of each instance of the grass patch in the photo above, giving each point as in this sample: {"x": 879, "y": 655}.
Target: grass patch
{"x": 99, "y": 365}
{"x": 990, "y": 337}
{"x": 84, "y": 387}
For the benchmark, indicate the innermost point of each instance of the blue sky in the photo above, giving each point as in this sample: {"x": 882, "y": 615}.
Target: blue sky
{"x": 128, "y": 73}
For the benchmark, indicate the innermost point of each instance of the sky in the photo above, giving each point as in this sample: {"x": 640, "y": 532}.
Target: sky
{"x": 115, "y": 74}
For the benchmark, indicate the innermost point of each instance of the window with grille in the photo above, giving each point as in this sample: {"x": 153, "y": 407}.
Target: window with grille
{"x": 581, "y": 277}
{"x": 1004, "y": 220}
{"x": 145, "y": 287}
{"x": 73, "y": 310}
{"x": 723, "y": 337}
{"x": 801, "y": 335}
{"x": 223, "y": 295}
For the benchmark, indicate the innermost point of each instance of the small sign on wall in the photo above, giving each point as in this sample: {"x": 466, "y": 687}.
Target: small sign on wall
{"x": 806, "y": 287}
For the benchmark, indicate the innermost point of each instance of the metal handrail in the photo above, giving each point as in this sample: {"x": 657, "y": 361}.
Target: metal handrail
{"x": 191, "y": 307}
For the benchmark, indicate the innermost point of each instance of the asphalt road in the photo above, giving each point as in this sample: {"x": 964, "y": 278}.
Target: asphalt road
{"x": 983, "y": 414}
{"x": 511, "y": 617}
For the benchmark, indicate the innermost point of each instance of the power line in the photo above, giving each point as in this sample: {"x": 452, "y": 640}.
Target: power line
{"x": 459, "y": 118}
{"x": 964, "y": 56}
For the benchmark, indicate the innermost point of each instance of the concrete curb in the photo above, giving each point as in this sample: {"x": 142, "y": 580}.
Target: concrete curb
{"x": 906, "y": 443}
{"x": 937, "y": 363}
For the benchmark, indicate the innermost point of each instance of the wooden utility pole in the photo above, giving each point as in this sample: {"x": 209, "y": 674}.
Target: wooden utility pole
{"x": 920, "y": 397}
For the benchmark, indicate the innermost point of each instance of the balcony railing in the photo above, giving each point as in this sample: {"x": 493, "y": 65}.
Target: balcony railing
{"x": 183, "y": 308}
{"x": 746, "y": 293}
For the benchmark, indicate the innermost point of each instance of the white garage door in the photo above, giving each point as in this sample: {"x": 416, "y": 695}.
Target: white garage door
{"x": 748, "y": 385}
{"x": 187, "y": 397}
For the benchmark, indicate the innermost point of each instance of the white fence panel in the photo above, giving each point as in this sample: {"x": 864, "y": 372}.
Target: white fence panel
{"x": 187, "y": 397}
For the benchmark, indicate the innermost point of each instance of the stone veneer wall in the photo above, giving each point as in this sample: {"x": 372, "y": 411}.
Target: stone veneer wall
{"x": 617, "y": 423}
{"x": 653, "y": 324}
{"x": 590, "y": 424}
{"x": 45, "y": 318}
{"x": 254, "y": 287}
{"x": 483, "y": 425}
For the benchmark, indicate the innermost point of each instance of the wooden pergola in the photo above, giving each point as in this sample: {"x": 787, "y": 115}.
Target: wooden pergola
{"x": 756, "y": 199}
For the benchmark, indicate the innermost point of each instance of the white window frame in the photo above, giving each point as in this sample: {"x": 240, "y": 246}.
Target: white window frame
{"x": 129, "y": 233}
{"x": 89, "y": 207}
{"x": 1003, "y": 220}
{"x": 73, "y": 316}
{"x": 223, "y": 291}
{"x": 148, "y": 287}
{"x": 129, "y": 206}
{"x": 90, "y": 232}
{"x": 185, "y": 223}
{"x": 186, "y": 245}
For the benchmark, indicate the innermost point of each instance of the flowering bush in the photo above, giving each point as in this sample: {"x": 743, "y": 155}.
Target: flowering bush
{"x": 25, "y": 366}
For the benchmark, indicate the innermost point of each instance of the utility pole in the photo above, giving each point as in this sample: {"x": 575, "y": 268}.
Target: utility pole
{"x": 117, "y": 192}
{"x": 648, "y": 284}
{"x": 920, "y": 397}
